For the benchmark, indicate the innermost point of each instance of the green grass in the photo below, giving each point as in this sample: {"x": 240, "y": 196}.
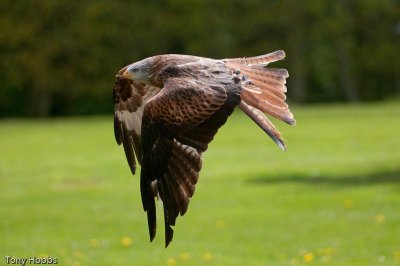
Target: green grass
{"x": 332, "y": 199}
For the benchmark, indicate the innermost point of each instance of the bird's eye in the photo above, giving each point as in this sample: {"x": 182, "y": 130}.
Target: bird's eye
{"x": 135, "y": 69}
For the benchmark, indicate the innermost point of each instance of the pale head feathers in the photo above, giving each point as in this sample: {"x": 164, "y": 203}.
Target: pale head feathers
{"x": 139, "y": 71}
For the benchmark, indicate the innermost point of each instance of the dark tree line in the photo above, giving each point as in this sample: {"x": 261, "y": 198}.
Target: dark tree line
{"x": 60, "y": 57}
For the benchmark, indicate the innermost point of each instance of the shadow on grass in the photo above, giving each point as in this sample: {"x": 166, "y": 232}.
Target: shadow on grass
{"x": 356, "y": 180}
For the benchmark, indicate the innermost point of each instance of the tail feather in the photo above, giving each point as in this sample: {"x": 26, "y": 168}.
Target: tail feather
{"x": 263, "y": 122}
{"x": 262, "y": 60}
{"x": 265, "y": 74}
{"x": 264, "y": 84}
{"x": 263, "y": 90}
{"x": 277, "y": 88}
{"x": 264, "y": 95}
{"x": 278, "y": 72}
{"x": 280, "y": 112}
{"x": 276, "y": 85}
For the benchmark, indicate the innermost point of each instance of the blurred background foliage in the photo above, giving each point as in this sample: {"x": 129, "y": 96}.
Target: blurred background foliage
{"x": 60, "y": 57}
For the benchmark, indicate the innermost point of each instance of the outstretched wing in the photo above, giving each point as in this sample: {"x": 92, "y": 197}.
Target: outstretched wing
{"x": 178, "y": 124}
{"x": 130, "y": 99}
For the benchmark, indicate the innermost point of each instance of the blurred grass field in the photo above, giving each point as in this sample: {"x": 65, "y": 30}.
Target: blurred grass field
{"x": 332, "y": 199}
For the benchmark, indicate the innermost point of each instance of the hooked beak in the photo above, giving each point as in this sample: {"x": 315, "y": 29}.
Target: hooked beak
{"x": 126, "y": 74}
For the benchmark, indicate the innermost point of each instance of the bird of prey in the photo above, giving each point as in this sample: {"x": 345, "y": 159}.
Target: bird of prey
{"x": 168, "y": 109}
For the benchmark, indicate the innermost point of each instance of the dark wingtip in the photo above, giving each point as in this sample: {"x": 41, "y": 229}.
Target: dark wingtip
{"x": 151, "y": 217}
{"x": 169, "y": 234}
{"x": 133, "y": 169}
{"x": 152, "y": 229}
{"x": 152, "y": 234}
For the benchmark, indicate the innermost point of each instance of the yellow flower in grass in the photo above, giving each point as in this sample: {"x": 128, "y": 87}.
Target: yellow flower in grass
{"x": 171, "y": 262}
{"x": 308, "y": 257}
{"x": 126, "y": 241}
{"x": 184, "y": 256}
{"x": 348, "y": 203}
{"x": 93, "y": 242}
{"x": 396, "y": 255}
{"x": 78, "y": 254}
{"x": 208, "y": 256}
{"x": 380, "y": 218}
{"x": 220, "y": 224}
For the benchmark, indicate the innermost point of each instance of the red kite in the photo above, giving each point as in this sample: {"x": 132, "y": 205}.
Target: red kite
{"x": 168, "y": 109}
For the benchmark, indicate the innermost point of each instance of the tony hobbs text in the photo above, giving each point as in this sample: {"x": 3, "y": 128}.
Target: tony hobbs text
{"x": 30, "y": 260}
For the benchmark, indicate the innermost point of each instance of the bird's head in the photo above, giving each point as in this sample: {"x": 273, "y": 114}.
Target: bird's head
{"x": 139, "y": 71}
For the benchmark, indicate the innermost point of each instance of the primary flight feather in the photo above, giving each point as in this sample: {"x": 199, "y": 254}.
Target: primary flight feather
{"x": 168, "y": 109}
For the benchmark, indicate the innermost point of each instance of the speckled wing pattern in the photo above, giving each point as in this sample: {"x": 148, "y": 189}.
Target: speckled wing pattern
{"x": 178, "y": 125}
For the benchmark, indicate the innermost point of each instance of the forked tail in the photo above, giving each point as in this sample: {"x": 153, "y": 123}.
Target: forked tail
{"x": 263, "y": 91}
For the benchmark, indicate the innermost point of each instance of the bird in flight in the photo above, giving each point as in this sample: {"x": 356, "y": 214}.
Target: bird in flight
{"x": 168, "y": 108}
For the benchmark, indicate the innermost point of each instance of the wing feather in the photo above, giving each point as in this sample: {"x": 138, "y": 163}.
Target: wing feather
{"x": 178, "y": 124}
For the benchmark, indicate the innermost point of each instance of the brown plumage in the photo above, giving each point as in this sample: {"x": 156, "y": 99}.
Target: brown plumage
{"x": 168, "y": 108}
